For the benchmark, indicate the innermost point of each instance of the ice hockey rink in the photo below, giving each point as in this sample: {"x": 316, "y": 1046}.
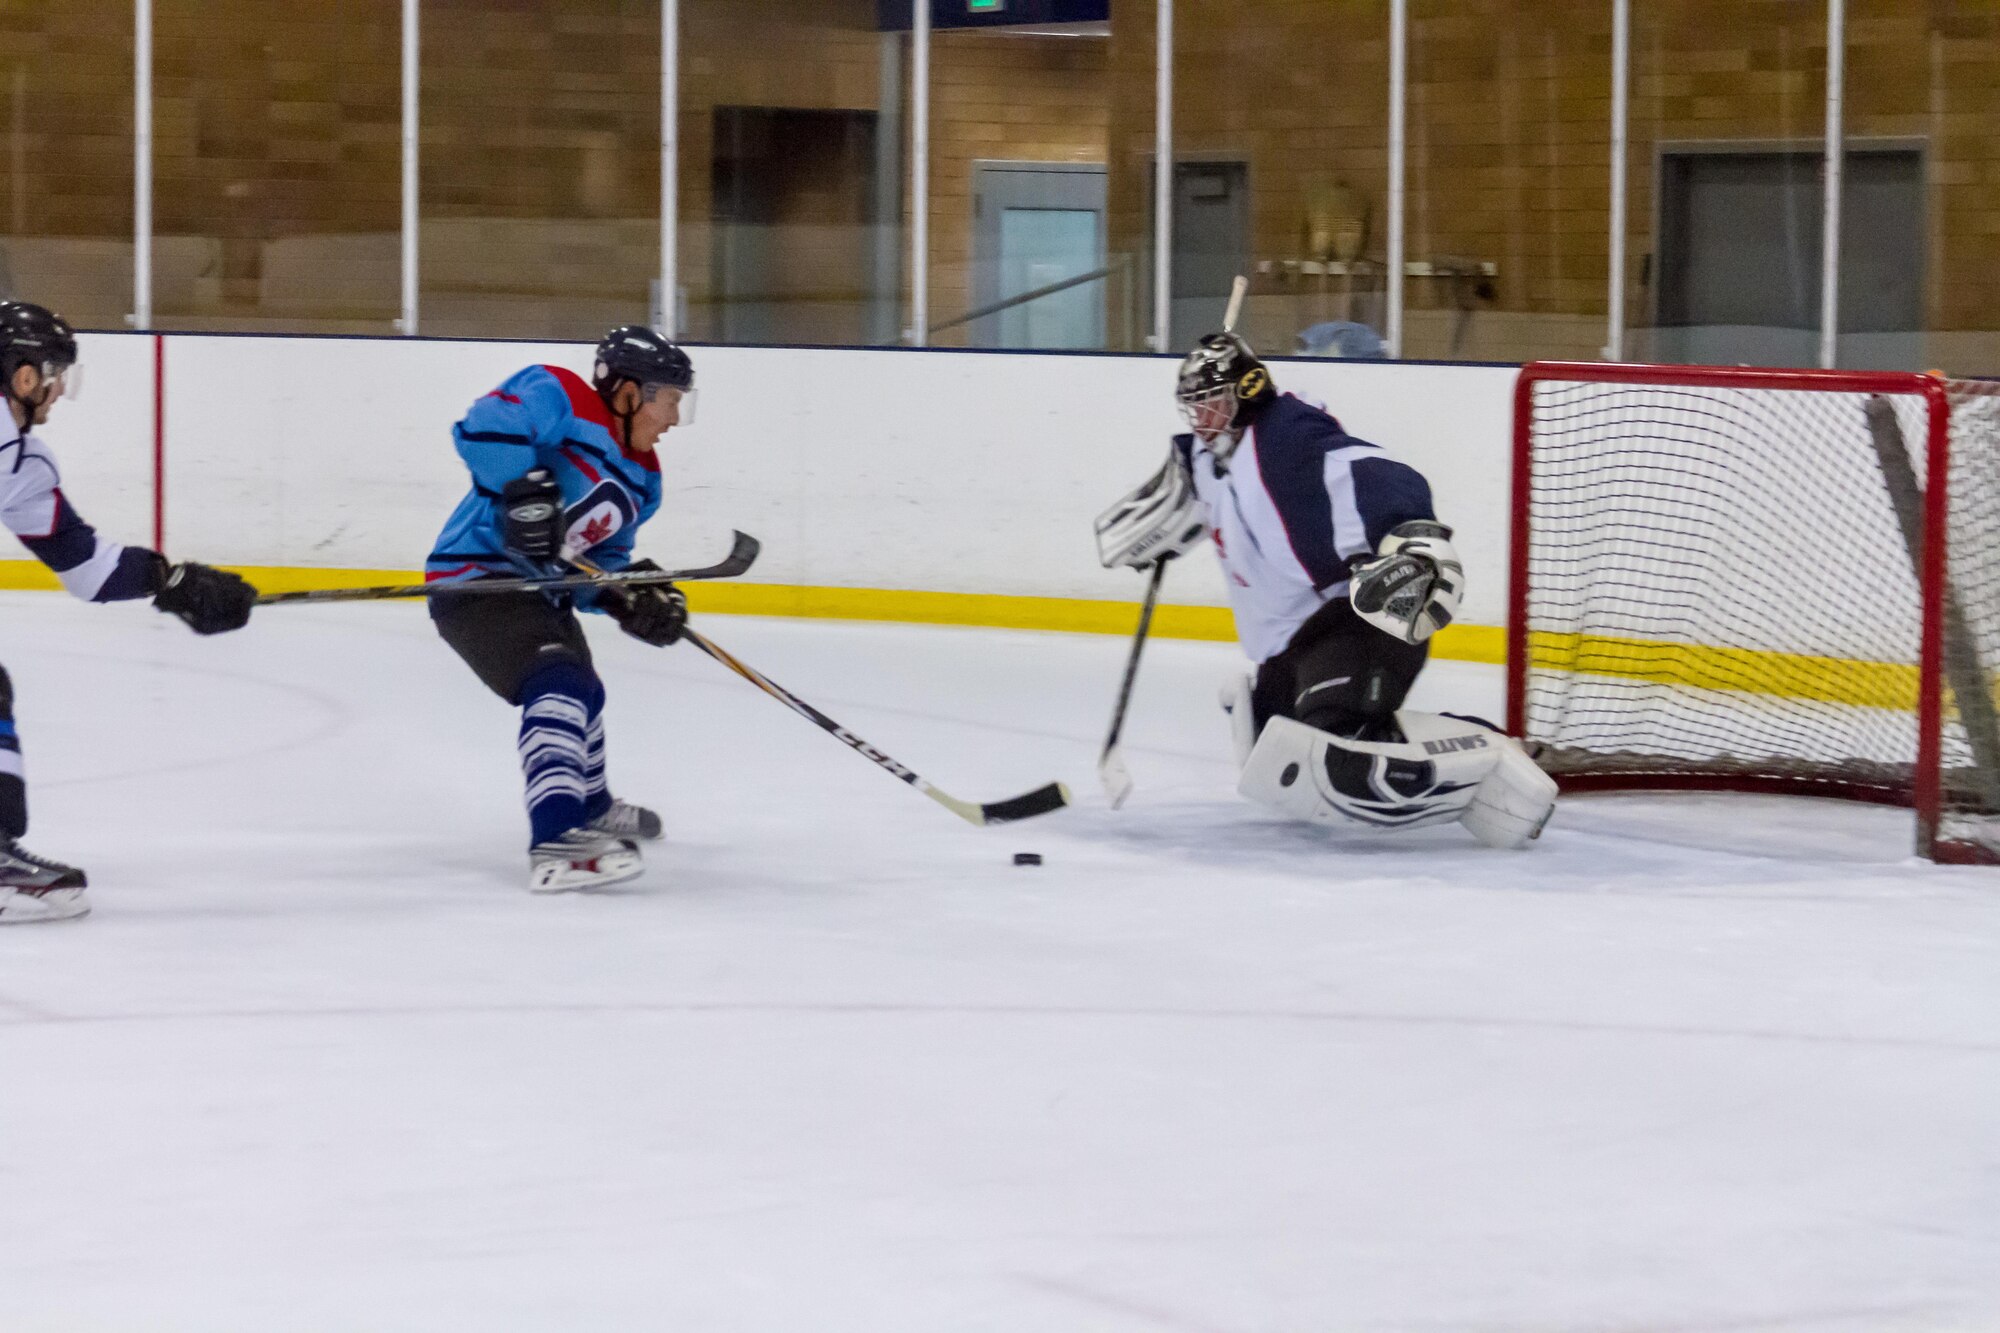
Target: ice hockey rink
{"x": 319, "y": 1062}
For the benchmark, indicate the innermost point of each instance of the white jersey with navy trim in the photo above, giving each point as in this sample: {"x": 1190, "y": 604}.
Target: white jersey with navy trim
{"x": 34, "y": 509}
{"x": 1297, "y": 501}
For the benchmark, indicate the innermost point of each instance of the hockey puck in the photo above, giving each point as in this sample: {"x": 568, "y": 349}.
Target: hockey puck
{"x": 1027, "y": 858}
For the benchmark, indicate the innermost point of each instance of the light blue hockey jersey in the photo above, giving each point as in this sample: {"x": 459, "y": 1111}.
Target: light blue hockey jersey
{"x": 545, "y": 416}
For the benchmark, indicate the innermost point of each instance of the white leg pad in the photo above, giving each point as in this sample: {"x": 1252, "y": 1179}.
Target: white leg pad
{"x": 1513, "y": 804}
{"x": 1429, "y": 778}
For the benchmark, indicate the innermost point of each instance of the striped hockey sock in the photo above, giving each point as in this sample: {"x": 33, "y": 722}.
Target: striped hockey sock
{"x": 596, "y": 787}
{"x": 557, "y": 706}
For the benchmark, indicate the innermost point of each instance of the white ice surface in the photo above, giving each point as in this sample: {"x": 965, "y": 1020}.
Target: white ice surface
{"x": 319, "y": 1062}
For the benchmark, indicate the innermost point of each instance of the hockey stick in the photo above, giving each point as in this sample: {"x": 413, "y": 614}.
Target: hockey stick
{"x": 1041, "y": 801}
{"x": 742, "y": 554}
{"x": 1237, "y": 291}
{"x": 1111, "y": 770}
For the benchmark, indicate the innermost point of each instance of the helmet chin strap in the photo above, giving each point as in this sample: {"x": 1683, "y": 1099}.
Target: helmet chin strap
{"x": 624, "y": 418}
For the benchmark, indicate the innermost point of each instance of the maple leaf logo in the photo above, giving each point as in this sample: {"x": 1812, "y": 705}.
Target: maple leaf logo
{"x": 597, "y": 530}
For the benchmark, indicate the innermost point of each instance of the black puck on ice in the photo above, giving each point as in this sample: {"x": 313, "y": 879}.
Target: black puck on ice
{"x": 1027, "y": 858}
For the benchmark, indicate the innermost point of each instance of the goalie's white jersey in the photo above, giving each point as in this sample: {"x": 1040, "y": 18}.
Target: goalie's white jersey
{"x": 1294, "y": 504}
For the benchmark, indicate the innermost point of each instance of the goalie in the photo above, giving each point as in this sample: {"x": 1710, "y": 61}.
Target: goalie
{"x": 1339, "y": 573}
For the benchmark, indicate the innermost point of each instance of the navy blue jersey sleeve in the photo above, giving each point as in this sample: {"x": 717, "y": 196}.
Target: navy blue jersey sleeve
{"x": 1388, "y": 494}
{"x": 1293, "y": 441}
{"x": 91, "y": 567}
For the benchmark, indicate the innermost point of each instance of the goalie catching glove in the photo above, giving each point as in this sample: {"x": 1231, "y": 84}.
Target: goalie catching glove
{"x": 1412, "y": 588}
{"x": 1158, "y": 521}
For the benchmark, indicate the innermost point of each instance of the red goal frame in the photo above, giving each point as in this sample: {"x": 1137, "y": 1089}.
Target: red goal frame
{"x": 1926, "y": 790}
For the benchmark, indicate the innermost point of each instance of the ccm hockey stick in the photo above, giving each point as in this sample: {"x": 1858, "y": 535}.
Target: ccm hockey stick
{"x": 1040, "y": 801}
{"x": 742, "y": 555}
{"x": 1111, "y": 771}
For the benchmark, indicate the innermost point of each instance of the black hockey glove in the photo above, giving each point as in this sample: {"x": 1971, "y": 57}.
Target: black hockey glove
{"x": 531, "y": 517}
{"x": 210, "y": 600}
{"x": 655, "y": 613}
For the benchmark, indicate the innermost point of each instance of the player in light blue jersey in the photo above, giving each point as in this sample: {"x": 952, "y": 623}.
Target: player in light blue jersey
{"x": 564, "y": 468}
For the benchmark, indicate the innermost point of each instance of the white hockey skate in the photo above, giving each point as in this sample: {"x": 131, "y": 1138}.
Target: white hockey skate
{"x": 34, "y": 888}
{"x": 582, "y": 859}
{"x": 628, "y": 821}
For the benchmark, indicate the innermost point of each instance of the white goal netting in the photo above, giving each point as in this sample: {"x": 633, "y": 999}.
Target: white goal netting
{"x": 1719, "y": 582}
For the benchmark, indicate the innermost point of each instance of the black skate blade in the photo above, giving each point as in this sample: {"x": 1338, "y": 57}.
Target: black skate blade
{"x": 1040, "y": 801}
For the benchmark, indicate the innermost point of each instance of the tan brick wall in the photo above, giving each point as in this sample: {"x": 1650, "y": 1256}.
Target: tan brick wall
{"x": 281, "y": 123}
{"x": 1509, "y": 141}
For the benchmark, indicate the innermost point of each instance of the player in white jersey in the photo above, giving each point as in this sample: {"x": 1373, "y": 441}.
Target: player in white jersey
{"x": 1339, "y": 572}
{"x": 37, "y": 367}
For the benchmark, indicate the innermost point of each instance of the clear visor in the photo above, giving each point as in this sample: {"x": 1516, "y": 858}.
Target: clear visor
{"x": 685, "y": 400}
{"x": 59, "y": 381}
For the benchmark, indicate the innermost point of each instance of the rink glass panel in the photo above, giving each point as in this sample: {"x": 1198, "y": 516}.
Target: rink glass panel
{"x": 66, "y": 158}
{"x": 541, "y": 189}
{"x": 1924, "y": 81}
{"x": 1714, "y": 587}
{"x": 1020, "y": 194}
{"x": 1280, "y": 168}
{"x": 1509, "y": 169}
{"x": 793, "y": 166}
{"x": 277, "y": 156}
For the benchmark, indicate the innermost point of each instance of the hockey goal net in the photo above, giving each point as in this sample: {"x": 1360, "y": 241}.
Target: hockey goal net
{"x": 1782, "y": 581}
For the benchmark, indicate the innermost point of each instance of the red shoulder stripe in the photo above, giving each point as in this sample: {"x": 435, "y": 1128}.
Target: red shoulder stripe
{"x": 583, "y": 400}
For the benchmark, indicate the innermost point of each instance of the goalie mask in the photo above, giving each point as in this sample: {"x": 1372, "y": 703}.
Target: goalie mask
{"x": 1221, "y": 384}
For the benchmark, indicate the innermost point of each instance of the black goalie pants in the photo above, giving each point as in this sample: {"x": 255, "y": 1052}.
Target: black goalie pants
{"x": 1339, "y": 674}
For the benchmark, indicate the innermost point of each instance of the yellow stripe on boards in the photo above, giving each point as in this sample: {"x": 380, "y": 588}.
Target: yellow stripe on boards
{"x": 1889, "y": 685}
{"x": 1834, "y": 680}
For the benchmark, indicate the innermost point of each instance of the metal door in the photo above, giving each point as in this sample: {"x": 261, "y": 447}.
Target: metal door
{"x": 1038, "y": 225}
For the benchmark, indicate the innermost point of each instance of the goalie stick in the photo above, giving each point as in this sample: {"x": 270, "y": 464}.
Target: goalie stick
{"x": 742, "y": 554}
{"x": 1041, "y": 801}
{"x": 1111, "y": 770}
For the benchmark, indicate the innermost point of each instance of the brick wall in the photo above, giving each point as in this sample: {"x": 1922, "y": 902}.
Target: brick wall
{"x": 1509, "y": 141}
{"x": 277, "y": 197}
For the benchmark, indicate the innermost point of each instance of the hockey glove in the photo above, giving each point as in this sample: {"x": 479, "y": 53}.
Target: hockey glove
{"x": 1412, "y": 589}
{"x": 210, "y": 600}
{"x": 654, "y": 613}
{"x": 531, "y": 518}
{"x": 1158, "y": 521}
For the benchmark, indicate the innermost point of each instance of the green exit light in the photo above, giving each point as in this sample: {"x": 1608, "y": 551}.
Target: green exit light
{"x": 985, "y": 6}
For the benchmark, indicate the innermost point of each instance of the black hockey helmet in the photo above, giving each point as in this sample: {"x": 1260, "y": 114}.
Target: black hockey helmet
{"x": 1221, "y": 383}
{"x": 634, "y": 352}
{"x": 33, "y": 335}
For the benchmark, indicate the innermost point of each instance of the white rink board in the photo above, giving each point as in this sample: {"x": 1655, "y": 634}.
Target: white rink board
{"x": 103, "y": 440}
{"x": 930, "y": 471}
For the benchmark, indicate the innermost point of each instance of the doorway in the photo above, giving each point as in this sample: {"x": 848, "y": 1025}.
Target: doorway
{"x": 1211, "y": 245}
{"x": 1741, "y": 238}
{"x": 793, "y": 253}
{"x": 1036, "y": 225}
